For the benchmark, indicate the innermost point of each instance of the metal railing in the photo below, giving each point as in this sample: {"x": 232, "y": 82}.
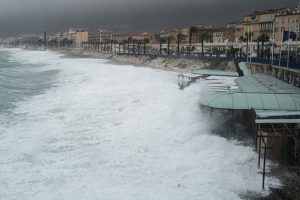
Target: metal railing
{"x": 280, "y": 63}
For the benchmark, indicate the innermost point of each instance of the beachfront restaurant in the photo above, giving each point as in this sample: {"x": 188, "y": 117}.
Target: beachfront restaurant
{"x": 266, "y": 108}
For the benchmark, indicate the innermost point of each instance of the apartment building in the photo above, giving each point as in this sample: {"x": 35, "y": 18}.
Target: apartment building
{"x": 259, "y": 22}
{"x": 287, "y": 19}
{"x": 100, "y": 36}
{"x": 144, "y": 35}
{"x": 120, "y": 37}
{"x": 81, "y": 36}
{"x": 237, "y": 29}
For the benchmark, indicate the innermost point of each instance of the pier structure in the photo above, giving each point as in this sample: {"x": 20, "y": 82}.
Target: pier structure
{"x": 267, "y": 108}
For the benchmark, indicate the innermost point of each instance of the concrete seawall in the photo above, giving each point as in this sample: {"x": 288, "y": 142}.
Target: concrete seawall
{"x": 291, "y": 76}
{"x": 180, "y": 64}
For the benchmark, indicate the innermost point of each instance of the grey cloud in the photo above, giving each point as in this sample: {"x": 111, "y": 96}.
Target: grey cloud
{"x": 28, "y": 16}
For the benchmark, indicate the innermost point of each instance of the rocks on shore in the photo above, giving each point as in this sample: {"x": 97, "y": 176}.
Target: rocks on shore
{"x": 171, "y": 64}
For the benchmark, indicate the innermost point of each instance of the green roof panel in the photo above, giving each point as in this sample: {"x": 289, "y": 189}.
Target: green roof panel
{"x": 245, "y": 69}
{"x": 277, "y": 121}
{"x": 211, "y": 72}
{"x": 246, "y": 101}
{"x": 270, "y": 101}
{"x": 259, "y": 92}
{"x": 240, "y": 101}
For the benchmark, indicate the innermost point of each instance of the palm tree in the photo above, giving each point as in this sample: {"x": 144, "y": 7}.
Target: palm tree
{"x": 111, "y": 45}
{"x": 128, "y": 43}
{"x": 146, "y": 41}
{"x": 119, "y": 47}
{"x": 248, "y": 36}
{"x": 191, "y": 32}
{"x": 139, "y": 46}
{"x": 179, "y": 38}
{"x": 169, "y": 39}
{"x": 134, "y": 41}
{"x": 161, "y": 41}
{"x": 124, "y": 45}
{"x": 263, "y": 38}
{"x": 202, "y": 37}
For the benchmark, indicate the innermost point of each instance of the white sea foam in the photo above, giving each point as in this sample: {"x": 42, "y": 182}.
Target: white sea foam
{"x": 118, "y": 132}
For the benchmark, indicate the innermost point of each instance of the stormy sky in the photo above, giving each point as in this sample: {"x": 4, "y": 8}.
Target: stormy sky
{"x": 34, "y": 16}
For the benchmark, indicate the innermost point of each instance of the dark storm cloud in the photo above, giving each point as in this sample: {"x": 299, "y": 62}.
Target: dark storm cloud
{"x": 28, "y": 16}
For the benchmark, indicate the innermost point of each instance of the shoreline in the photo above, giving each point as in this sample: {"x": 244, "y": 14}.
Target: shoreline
{"x": 179, "y": 65}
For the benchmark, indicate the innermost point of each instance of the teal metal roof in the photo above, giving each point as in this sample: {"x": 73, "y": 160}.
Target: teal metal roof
{"x": 260, "y": 83}
{"x": 245, "y": 69}
{"x": 246, "y": 101}
{"x": 277, "y": 121}
{"x": 275, "y": 113}
{"x": 210, "y": 72}
{"x": 259, "y": 92}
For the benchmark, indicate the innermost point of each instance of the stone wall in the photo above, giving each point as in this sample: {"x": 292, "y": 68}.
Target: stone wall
{"x": 291, "y": 76}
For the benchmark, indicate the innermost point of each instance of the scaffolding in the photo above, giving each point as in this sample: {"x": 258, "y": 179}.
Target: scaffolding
{"x": 277, "y": 131}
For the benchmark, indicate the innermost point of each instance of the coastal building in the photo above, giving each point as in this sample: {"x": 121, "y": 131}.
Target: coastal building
{"x": 28, "y": 39}
{"x": 204, "y": 33}
{"x": 218, "y": 36}
{"x": 259, "y": 22}
{"x": 259, "y": 106}
{"x": 287, "y": 20}
{"x": 76, "y": 35}
{"x": 100, "y": 36}
{"x": 172, "y": 33}
{"x": 238, "y": 30}
{"x": 70, "y": 34}
{"x": 81, "y": 36}
{"x": 144, "y": 35}
{"x": 223, "y": 35}
{"x": 120, "y": 37}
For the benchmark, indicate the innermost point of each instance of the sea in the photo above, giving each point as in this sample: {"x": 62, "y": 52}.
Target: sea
{"x": 83, "y": 128}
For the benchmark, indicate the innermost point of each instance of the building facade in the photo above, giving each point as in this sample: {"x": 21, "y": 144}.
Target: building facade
{"x": 81, "y": 36}
{"x": 287, "y": 20}
{"x": 120, "y": 37}
{"x": 238, "y": 30}
{"x": 259, "y": 22}
{"x": 100, "y": 36}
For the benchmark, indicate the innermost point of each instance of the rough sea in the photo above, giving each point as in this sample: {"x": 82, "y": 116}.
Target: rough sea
{"x": 79, "y": 128}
